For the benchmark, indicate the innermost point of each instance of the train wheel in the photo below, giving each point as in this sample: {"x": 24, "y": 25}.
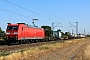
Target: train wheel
{"x": 17, "y": 42}
{"x": 31, "y": 40}
{"x": 21, "y": 41}
{"x": 35, "y": 40}
{"x": 27, "y": 42}
{"x": 8, "y": 43}
{"x": 46, "y": 40}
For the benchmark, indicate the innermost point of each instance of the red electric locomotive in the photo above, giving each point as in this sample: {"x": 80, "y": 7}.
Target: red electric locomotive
{"x": 21, "y": 32}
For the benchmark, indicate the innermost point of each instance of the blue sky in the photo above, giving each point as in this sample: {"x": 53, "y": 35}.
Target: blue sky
{"x": 47, "y": 11}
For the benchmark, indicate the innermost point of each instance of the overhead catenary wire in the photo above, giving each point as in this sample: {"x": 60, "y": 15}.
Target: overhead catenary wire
{"x": 43, "y": 7}
{"x": 35, "y": 7}
{"x": 27, "y": 9}
{"x": 49, "y": 11}
{"x": 72, "y": 24}
{"x": 30, "y": 4}
{"x": 15, "y": 13}
{"x": 19, "y": 14}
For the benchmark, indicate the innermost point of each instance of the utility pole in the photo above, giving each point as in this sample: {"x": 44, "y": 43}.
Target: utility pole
{"x": 84, "y": 32}
{"x": 52, "y": 26}
{"x": 75, "y": 27}
{"x": 72, "y": 31}
{"x": 55, "y": 26}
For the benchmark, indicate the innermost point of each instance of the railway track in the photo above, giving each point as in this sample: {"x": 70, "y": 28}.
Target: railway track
{"x": 66, "y": 53}
{"x": 13, "y": 48}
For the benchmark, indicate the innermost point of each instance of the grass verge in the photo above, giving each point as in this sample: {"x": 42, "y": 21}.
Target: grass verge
{"x": 36, "y": 52}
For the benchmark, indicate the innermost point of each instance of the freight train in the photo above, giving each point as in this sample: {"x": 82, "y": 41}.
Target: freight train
{"x": 24, "y": 33}
{"x": 21, "y": 32}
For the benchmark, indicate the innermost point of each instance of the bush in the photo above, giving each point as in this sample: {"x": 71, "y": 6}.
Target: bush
{"x": 4, "y": 53}
{"x": 43, "y": 47}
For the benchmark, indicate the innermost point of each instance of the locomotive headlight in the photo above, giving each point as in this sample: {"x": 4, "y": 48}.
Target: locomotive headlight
{"x": 15, "y": 33}
{"x": 7, "y": 32}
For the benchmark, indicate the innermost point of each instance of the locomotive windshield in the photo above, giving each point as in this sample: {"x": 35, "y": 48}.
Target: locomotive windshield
{"x": 12, "y": 27}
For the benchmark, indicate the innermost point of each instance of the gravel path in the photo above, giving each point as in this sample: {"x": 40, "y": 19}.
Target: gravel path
{"x": 67, "y": 53}
{"x": 84, "y": 54}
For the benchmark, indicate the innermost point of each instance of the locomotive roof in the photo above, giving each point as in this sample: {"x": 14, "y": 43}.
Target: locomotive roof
{"x": 9, "y": 24}
{"x": 12, "y": 24}
{"x": 20, "y": 23}
{"x": 32, "y": 26}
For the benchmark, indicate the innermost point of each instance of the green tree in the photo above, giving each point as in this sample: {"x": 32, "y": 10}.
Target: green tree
{"x": 0, "y": 30}
{"x": 2, "y": 33}
{"x": 47, "y": 31}
{"x": 62, "y": 34}
{"x": 68, "y": 34}
{"x": 59, "y": 30}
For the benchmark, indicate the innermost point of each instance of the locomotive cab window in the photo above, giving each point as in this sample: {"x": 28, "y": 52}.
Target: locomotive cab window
{"x": 12, "y": 27}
